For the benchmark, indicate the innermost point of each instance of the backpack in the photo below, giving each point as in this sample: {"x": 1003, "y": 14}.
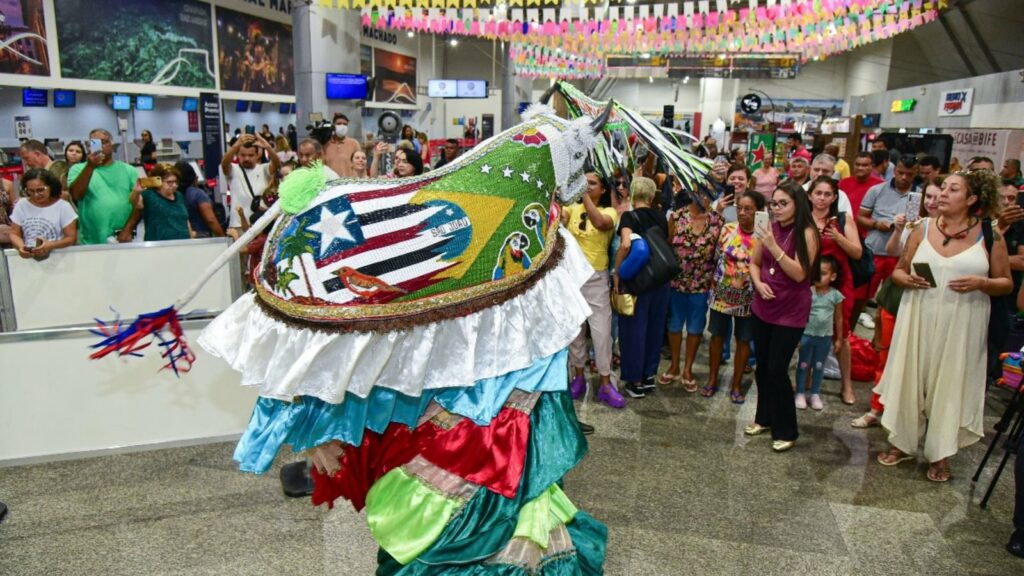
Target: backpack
{"x": 661, "y": 266}
{"x": 863, "y": 268}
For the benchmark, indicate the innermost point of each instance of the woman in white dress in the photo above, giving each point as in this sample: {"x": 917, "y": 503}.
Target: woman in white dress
{"x": 933, "y": 388}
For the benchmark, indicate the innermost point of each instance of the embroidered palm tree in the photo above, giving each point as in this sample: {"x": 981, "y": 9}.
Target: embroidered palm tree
{"x": 284, "y": 279}
{"x": 294, "y": 246}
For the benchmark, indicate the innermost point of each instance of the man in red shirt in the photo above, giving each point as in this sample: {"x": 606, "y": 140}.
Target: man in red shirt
{"x": 856, "y": 187}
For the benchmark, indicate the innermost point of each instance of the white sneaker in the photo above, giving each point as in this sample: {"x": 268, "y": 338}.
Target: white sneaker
{"x": 801, "y": 402}
{"x": 816, "y": 402}
{"x": 866, "y": 321}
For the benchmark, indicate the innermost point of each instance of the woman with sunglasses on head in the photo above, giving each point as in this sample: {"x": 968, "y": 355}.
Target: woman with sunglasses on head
{"x": 592, "y": 223}
{"x": 44, "y": 222}
{"x": 161, "y": 209}
{"x": 933, "y": 384}
{"x": 785, "y": 264}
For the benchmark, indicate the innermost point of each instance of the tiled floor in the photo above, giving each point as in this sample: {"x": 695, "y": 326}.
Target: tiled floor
{"x": 680, "y": 487}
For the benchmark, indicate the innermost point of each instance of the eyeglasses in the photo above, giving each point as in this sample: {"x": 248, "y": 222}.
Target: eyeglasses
{"x": 779, "y": 203}
{"x": 583, "y": 221}
{"x": 42, "y": 190}
{"x": 172, "y": 182}
{"x": 620, "y": 183}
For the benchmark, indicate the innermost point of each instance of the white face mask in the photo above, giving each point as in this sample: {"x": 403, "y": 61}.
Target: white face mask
{"x": 341, "y": 130}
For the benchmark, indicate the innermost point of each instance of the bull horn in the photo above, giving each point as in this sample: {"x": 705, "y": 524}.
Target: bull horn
{"x": 598, "y": 124}
{"x": 548, "y": 93}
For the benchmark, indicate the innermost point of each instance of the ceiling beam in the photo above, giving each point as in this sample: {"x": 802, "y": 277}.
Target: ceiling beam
{"x": 979, "y": 39}
{"x": 956, "y": 44}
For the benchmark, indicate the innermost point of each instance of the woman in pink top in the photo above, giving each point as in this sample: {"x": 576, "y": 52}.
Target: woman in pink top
{"x": 784, "y": 266}
{"x": 766, "y": 178}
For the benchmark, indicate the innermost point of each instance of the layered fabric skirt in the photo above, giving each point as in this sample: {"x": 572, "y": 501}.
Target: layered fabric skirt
{"x": 463, "y": 478}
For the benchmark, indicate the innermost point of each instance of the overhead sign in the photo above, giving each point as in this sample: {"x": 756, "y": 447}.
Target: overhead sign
{"x": 905, "y": 105}
{"x": 750, "y": 104}
{"x": 956, "y": 102}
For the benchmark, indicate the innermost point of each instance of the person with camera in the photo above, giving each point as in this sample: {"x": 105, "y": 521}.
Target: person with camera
{"x": 160, "y": 206}
{"x": 102, "y": 187}
{"x": 338, "y": 150}
{"x": 248, "y": 178}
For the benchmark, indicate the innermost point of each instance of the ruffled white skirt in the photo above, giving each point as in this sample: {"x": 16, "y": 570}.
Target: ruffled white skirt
{"x": 285, "y": 361}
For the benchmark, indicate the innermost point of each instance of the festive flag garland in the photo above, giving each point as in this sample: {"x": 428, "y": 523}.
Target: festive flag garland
{"x": 531, "y": 61}
{"x": 811, "y": 28}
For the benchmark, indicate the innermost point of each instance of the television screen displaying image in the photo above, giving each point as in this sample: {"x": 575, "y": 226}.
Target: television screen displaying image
{"x": 242, "y": 106}
{"x": 143, "y": 102}
{"x": 256, "y": 107}
{"x": 121, "y": 102}
{"x": 34, "y": 97}
{"x": 471, "y": 89}
{"x": 346, "y": 87}
{"x": 293, "y": 109}
{"x": 190, "y": 104}
{"x": 284, "y": 108}
{"x": 442, "y": 89}
{"x": 64, "y": 98}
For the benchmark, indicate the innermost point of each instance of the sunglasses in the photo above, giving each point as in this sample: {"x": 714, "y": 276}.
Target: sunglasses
{"x": 583, "y": 221}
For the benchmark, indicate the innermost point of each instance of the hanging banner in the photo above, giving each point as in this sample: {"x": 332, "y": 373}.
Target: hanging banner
{"x": 24, "y": 37}
{"x": 761, "y": 144}
{"x": 395, "y": 77}
{"x": 163, "y": 42}
{"x": 995, "y": 144}
{"x": 213, "y": 140}
{"x": 255, "y": 54}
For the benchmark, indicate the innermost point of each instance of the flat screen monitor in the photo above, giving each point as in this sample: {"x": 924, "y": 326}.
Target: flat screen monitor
{"x": 442, "y": 89}
{"x": 242, "y": 106}
{"x": 284, "y": 108}
{"x": 121, "y": 102}
{"x": 190, "y": 104}
{"x": 64, "y": 98}
{"x": 143, "y": 102}
{"x": 346, "y": 87}
{"x": 293, "y": 109}
{"x": 471, "y": 88}
{"x": 256, "y": 107}
{"x": 34, "y": 97}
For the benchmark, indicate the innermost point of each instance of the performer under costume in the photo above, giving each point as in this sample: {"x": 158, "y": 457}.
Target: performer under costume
{"x": 411, "y": 336}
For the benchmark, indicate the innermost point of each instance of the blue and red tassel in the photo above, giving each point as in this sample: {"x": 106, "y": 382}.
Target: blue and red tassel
{"x": 163, "y": 326}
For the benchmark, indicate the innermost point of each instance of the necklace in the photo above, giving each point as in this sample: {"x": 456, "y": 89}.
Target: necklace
{"x": 771, "y": 270}
{"x": 947, "y": 238}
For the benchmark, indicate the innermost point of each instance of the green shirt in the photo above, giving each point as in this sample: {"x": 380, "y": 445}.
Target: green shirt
{"x": 105, "y": 207}
{"x": 164, "y": 219}
{"x": 823, "y": 308}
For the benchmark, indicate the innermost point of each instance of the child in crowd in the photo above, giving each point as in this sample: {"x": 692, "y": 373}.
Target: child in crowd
{"x": 825, "y": 322}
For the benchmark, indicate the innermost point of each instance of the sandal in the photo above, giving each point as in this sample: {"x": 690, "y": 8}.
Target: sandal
{"x": 616, "y": 360}
{"x": 708, "y": 391}
{"x": 866, "y": 421}
{"x": 689, "y": 385}
{"x": 893, "y": 457}
{"x": 668, "y": 378}
{"x": 938, "y": 471}
{"x": 737, "y": 397}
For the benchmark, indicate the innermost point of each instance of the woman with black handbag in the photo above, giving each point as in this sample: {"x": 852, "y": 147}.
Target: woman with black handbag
{"x": 641, "y": 335}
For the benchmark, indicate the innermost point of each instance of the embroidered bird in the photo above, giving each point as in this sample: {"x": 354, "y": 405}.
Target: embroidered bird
{"x": 364, "y": 285}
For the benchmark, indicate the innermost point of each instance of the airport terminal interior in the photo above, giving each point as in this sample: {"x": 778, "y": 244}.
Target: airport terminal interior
{"x": 511, "y": 287}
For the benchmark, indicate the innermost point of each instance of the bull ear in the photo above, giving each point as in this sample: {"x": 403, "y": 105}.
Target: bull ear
{"x": 548, "y": 93}
{"x": 598, "y": 124}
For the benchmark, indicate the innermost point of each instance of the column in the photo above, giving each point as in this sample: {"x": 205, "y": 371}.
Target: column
{"x": 325, "y": 41}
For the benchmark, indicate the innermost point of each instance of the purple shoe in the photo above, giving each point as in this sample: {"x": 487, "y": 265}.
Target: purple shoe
{"x": 610, "y": 396}
{"x": 578, "y": 387}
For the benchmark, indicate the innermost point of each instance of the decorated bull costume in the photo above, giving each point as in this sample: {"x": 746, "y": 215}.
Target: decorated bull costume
{"x": 412, "y": 335}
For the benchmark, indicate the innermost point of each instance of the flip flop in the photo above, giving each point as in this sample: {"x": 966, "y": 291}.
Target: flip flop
{"x": 882, "y": 458}
{"x": 938, "y": 472}
{"x": 737, "y": 397}
{"x": 690, "y": 386}
{"x": 708, "y": 391}
{"x": 667, "y": 378}
{"x": 865, "y": 421}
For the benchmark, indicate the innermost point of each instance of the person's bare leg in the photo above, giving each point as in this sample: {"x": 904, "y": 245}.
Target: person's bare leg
{"x": 739, "y": 363}
{"x": 844, "y": 370}
{"x": 675, "y": 340}
{"x": 692, "y": 345}
{"x": 715, "y": 361}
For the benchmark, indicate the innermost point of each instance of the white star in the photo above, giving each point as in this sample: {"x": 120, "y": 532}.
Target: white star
{"x": 525, "y": 176}
{"x": 507, "y": 172}
{"x": 486, "y": 169}
{"x": 449, "y": 212}
{"x": 332, "y": 227}
{"x": 540, "y": 185}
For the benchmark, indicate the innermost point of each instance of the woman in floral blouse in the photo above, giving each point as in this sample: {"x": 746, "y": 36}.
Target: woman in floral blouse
{"x": 733, "y": 293}
{"x": 694, "y": 231}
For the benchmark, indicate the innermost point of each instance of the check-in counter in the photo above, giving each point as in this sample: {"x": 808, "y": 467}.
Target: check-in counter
{"x": 57, "y": 403}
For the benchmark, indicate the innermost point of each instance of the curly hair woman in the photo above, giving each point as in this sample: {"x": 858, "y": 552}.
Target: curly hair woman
{"x": 933, "y": 387}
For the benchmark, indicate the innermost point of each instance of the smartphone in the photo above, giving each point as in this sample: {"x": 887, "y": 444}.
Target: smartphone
{"x": 151, "y": 182}
{"x": 913, "y": 206}
{"x": 760, "y": 220}
{"x": 250, "y": 129}
{"x": 95, "y": 146}
{"x": 923, "y": 270}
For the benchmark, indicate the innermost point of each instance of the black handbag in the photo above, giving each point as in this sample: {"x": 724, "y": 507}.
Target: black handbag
{"x": 662, "y": 265}
{"x": 863, "y": 268}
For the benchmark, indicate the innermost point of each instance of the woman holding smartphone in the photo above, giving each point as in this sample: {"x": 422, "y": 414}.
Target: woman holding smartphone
{"x": 839, "y": 239}
{"x": 785, "y": 264}
{"x": 933, "y": 389}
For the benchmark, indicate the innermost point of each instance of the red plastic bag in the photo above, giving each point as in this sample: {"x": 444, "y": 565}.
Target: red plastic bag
{"x": 863, "y": 359}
